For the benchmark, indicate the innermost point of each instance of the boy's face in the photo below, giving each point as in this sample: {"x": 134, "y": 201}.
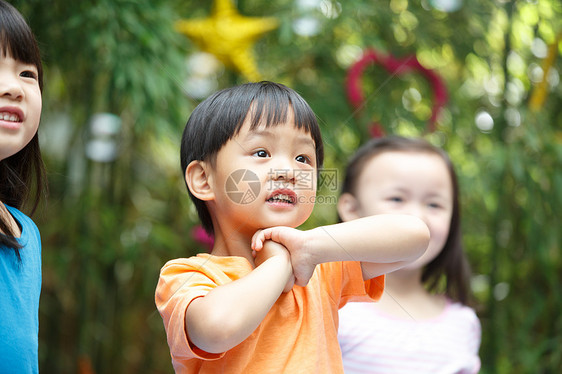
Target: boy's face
{"x": 264, "y": 177}
{"x": 20, "y": 105}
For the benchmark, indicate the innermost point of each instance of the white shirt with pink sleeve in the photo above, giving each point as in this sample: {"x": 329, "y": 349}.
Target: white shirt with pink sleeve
{"x": 373, "y": 342}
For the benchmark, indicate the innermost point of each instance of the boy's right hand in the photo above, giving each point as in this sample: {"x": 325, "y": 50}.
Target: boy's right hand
{"x": 270, "y": 249}
{"x": 295, "y": 241}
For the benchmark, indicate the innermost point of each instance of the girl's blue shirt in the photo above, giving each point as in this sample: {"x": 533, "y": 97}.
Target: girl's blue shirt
{"x": 20, "y": 289}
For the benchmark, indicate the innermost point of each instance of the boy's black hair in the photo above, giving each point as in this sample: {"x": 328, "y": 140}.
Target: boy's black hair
{"x": 219, "y": 118}
{"x": 23, "y": 173}
{"x": 451, "y": 263}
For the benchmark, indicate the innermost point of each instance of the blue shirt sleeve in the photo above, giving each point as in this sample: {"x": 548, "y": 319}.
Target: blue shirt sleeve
{"x": 20, "y": 289}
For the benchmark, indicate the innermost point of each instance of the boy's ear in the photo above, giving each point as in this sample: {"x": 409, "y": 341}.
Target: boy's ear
{"x": 348, "y": 207}
{"x": 197, "y": 180}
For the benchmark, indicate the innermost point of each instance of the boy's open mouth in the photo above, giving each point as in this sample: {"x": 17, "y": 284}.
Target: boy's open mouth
{"x": 282, "y": 197}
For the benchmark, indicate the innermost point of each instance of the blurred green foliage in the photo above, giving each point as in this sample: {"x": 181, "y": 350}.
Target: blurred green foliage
{"x": 109, "y": 226}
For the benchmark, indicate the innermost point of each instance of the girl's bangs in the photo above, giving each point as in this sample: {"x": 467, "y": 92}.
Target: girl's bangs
{"x": 20, "y": 46}
{"x": 17, "y": 40}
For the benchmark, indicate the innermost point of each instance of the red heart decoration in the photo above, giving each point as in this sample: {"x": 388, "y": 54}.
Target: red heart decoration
{"x": 394, "y": 66}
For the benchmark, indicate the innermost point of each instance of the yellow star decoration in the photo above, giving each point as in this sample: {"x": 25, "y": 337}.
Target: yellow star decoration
{"x": 229, "y": 36}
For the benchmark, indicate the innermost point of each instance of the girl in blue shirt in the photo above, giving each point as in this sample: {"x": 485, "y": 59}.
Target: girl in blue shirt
{"x": 22, "y": 180}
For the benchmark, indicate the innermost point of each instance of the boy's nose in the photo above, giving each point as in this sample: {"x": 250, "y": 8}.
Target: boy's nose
{"x": 284, "y": 175}
{"x": 284, "y": 171}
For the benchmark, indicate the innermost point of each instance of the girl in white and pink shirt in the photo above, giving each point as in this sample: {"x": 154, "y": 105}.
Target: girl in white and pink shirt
{"x": 422, "y": 324}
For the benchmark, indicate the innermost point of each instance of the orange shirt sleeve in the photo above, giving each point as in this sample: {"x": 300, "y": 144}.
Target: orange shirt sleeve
{"x": 344, "y": 282}
{"x": 180, "y": 282}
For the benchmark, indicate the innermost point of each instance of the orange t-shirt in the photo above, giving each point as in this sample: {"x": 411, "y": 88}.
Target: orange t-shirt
{"x": 298, "y": 335}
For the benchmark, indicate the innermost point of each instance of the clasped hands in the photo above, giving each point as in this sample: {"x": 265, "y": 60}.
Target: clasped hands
{"x": 286, "y": 241}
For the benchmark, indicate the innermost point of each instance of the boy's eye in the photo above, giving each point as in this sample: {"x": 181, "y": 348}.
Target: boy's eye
{"x": 303, "y": 159}
{"x": 395, "y": 199}
{"x": 261, "y": 153}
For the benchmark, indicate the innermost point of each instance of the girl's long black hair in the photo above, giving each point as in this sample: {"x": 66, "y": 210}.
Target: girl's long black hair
{"x": 22, "y": 175}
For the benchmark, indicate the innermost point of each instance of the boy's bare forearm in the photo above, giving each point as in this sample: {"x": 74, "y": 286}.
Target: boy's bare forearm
{"x": 383, "y": 242}
{"x": 228, "y": 314}
{"x": 383, "y": 239}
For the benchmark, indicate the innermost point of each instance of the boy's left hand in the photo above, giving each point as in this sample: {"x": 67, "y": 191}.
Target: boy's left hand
{"x": 295, "y": 242}
{"x": 270, "y": 249}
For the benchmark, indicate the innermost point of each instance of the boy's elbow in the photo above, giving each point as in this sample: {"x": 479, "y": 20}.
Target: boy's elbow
{"x": 214, "y": 334}
{"x": 421, "y": 237}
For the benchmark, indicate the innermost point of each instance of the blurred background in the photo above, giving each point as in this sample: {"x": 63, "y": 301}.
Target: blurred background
{"x": 479, "y": 78}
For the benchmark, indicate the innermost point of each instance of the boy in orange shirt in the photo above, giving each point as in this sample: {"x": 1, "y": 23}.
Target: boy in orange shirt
{"x": 250, "y": 156}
